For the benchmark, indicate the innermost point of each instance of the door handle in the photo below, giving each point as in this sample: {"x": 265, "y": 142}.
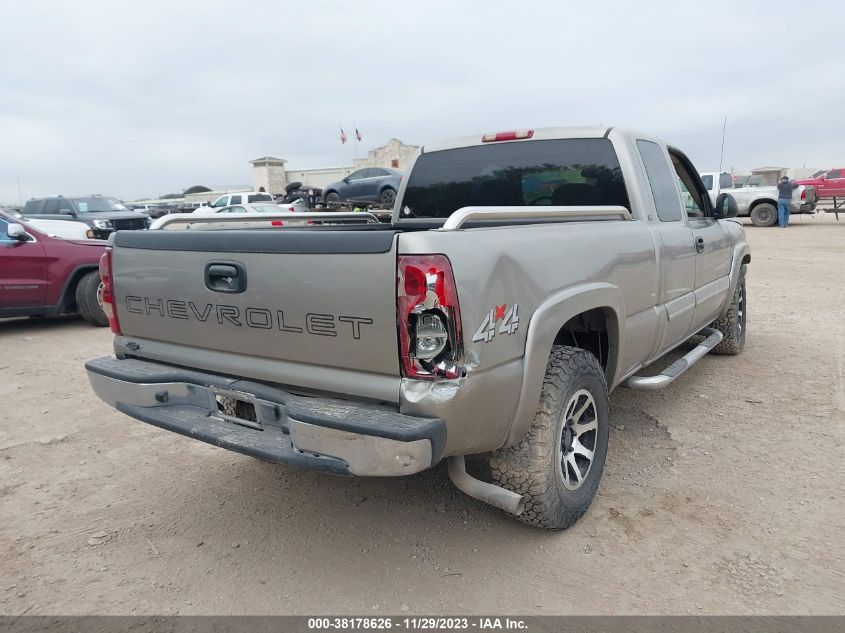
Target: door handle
{"x": 699, "y": 245}
{"x": 225, "y": 277}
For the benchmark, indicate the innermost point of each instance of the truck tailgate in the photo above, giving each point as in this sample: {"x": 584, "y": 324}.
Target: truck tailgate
{"x": 308, "y": 298}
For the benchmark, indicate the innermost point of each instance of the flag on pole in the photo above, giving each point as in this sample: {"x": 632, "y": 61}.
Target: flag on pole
{"x": 343, "y": 138}
{"x": 357, "y": 134}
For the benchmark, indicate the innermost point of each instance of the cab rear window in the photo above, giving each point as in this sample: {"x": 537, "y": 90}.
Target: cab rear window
{"x": 529, "y": 173}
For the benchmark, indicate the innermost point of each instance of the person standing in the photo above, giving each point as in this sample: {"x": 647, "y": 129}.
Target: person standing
{"x": 785, "y": 189}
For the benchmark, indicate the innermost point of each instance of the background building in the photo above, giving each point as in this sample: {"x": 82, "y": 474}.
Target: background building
{"x": 272, "y": 173}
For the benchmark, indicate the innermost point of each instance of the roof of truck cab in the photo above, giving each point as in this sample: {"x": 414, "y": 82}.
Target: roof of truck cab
{"x": 541, "y": 133}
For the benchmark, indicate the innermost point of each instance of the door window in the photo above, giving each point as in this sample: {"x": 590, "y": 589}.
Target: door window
{"x": 52, "y": 206}
{"x": 834, "y": 174}
{"x": 690, "y": 185}
{"x": 358, "y": 175}
{"x": 235, "y": 200}
{"x": 662, "y": 181}
{"x": 220, "y": 202}
{"x": 725, "y": 181}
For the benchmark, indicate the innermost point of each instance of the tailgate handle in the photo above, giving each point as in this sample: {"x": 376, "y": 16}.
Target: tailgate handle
{"x": 225, "y": 277}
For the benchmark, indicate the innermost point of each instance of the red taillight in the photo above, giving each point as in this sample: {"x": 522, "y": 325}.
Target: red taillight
{"x": 507, "y": 136}
{"x": 276, "y": 223}
{"x": 428, "y": 318}
{"x": 291, "y": 209}
{"x": 804, "y": 194}
{"x": 107, "y": 293}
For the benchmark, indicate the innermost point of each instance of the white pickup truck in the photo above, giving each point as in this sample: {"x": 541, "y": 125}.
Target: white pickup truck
{"x": 760, "y": 203}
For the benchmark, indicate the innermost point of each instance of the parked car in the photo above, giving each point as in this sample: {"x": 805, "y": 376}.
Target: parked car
{"x": 154, "y": 210}
{"x": 830, "y": 184}
{"x": 103, "y": 214}
{"x": 41, "y": 275}
{"x": 524, "y": 276}
{"x": 254, "y": 209}
{"x": 373, "y": 184}
{"x": 760, "y": 203}
{"x": 59, "y": 228}
{"x": 241, "y": 197}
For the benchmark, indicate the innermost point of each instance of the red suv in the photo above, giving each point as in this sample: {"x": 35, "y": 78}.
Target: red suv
{"x": 45, "y": 276}
{"x": 827, "y": 185}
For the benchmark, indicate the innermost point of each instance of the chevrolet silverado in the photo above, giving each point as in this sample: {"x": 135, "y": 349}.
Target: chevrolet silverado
{"x": 523, "y": 277}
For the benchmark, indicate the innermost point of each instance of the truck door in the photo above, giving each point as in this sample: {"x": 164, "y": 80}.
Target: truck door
{"x": 713, "y": 244}
{"x": 676, "y": 300}
{"x": 23, "y": 272}
{"x": 833, "y": 184}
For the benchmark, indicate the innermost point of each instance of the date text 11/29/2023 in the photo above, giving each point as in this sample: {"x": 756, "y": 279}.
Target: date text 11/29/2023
{"x": 422, "y": 623}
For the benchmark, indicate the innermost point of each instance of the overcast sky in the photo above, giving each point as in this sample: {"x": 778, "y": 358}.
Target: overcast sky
{"x": 144, "y": 98}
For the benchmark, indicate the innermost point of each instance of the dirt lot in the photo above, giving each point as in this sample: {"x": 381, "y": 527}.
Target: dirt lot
{"x": 722, "y": 494}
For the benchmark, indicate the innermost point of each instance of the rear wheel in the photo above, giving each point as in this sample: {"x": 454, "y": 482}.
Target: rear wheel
{"x": 86, "y": 299}
{"x": 332, "y": 199}
{"x": 559, "y": 464}
{"x": 764, "y": 214}
{"x": 732, "y": 325}
{"x": 388, "y": 197}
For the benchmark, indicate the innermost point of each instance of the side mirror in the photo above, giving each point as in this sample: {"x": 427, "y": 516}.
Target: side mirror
{"x": 725, "y": 207}
{"x": 346, "y": 180}
{"x": 17, "y": 232}
{"x": 67, "y": 212}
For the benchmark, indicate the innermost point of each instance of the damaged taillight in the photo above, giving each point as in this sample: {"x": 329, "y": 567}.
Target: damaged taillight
{"x": 429, "y": 318}
{"x": 107, "y": 291}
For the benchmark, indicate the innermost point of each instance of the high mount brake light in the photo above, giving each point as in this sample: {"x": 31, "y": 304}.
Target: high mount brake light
{"x": 107, "y": 291}
{"x": 517, "y": 135}
{"x": 428, "y": 318}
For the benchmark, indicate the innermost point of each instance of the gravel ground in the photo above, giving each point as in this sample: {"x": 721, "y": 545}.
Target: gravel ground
{"x": 722, "y": 494}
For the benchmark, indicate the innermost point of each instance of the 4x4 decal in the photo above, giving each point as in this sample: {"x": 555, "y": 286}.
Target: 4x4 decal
{"x": 509, "y": 325}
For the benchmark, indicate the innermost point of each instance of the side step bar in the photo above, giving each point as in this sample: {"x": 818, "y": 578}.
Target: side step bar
{"x": 668, "y": 375}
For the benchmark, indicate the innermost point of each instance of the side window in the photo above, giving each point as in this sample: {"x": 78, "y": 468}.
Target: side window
{"x": 235, "y": 200}
{"x": 376, "y": 172}
{"x": 691, "y": 194}
{"x": 52, "y": 206}
{"x": 259, "y": 197}
{"x": 4, "y": 237}
{"x": 358, "y": 175}
{"x": 725, "y": 181}
{"x": 662, "y": 181}
{"x": 708, "y": 182}
{"x": 33, "y": 207}
{"x": 834, "y": 174}
{"x": 220, "y": 202}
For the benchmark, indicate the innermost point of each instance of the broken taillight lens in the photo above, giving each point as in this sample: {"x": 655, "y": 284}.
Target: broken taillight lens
{"x": 428, "y": 318}
{"x": 107, "y": 291}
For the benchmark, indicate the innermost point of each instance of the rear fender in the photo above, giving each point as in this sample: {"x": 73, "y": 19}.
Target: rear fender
{"x": 545, "y": 323}
{"x": 741, "y": 255}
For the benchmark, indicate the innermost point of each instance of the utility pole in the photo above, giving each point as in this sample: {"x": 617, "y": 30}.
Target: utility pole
{"x": 722, "y": 154}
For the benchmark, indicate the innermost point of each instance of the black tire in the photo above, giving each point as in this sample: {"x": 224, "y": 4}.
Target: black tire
{"x": 388, "y": 197}
{"x": 732, "y": 325}
{"x": 538, "y": 466}
{"x": 764, "y": 214}
{"x": 86, "y": 299}
{"x": 332, "y": 199}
